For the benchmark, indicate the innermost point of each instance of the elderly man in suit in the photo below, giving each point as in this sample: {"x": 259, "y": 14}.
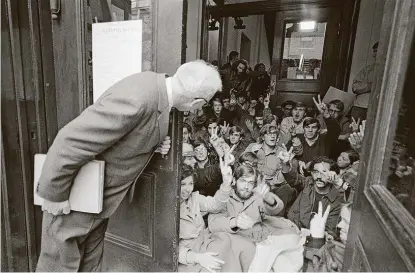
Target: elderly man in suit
{"x": 123, "y": 128}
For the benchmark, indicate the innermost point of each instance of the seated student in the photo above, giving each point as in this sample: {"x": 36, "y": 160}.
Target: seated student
{"x": 326, "y": 255}
{"x": 237, "y": 141}
{"x": 293, "y": 125}
{"x": 269, "y": 164}
{"x": 200, "y": 250}
{"x": 318, "y": 187}
{"x": 314, "y": 143}
{"x": 248, "y": 158}
{"x": 286, "y": 109}
{"x": 348, "y": 163}
{"x": 249, "y": 209}
{"x": 218, "y": 112}
{"x": 208, "y": 178}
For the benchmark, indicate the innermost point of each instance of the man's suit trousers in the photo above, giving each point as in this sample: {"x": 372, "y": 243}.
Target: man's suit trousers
{"x": 73, "y": 242}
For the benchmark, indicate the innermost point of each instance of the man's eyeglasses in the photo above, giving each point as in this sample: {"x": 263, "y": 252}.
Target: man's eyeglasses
{"x": 206, "y": 102}
{"x": 334, "y": 111}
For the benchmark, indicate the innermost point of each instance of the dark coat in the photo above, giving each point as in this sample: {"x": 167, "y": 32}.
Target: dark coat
{"x": 301, "y": 211}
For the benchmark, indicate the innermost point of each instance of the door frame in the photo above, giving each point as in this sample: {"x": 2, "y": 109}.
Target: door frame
{"x": 29, "y": 125}
{"x": 396, "y": 43}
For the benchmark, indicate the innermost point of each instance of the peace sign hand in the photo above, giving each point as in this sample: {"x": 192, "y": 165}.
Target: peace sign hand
{"x": 355, "y": 125}
{"x": 285, "y": 155}
{"x": 322, "y": 107}
{"x": 214, "y": 138}
{"x": 267, "y": 100}
{"x": 318, "y": 222}
{"x": 226, "y": 171}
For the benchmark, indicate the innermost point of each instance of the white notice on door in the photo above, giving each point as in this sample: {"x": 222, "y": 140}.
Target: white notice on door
{"x": 116, "y": 53}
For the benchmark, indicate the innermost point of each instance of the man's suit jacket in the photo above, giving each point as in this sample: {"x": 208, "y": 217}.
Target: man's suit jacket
{"x": 122, "y": 128}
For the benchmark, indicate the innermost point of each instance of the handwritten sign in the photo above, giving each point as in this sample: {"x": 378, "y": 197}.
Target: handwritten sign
{"x": 116, "y": 53}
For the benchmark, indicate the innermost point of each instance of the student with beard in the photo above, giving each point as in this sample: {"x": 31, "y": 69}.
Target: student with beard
{"x": 312, "y": 189}
{"x": 249, "y": 209}
{"x": 199, "y": 249}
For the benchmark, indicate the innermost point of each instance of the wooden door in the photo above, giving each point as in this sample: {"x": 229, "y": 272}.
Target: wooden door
{"x": 382, "y": 231}
{"x": 300, "y": 78}
{"x": 142, "y": 234}
{"x": 28, "y": 109}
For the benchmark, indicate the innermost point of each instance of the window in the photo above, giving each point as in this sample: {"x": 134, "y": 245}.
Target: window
{"x": 303, "y": 50}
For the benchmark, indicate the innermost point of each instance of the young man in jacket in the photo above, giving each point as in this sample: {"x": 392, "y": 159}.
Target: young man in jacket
{"x": 313, "y": 189}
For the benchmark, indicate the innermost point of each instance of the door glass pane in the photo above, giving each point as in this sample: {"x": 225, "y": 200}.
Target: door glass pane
{"x": 401, "y": 177}
{"x": 303, "y": 50}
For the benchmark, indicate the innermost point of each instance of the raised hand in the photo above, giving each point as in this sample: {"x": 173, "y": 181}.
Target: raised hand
{"x": 335, "y": 179}
{"x": 214, "y": 138}
{"x": 322, "y": 107}
{"x": 262, "y": 190}
{"x": 354, "y": 125}
{"x": 318, "y": 222}
{"x": 267, "y": 100}
{"x": 226, "y": 171}
{"x": 356, "y": 141}
{"x": 224, "y": 128}
{"x": 209, "y": 261}
{"x": 249, "y": 125}
{"x": 296, "y": 141}
{"x": 302, "y": 167}
{"x": 285, "y": 155}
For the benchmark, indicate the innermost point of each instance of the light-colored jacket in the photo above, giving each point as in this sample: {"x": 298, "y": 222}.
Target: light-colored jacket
{"x": 254, "y": 207}
{"x": 122, "y": 128}
{"x": 192, "y": 224}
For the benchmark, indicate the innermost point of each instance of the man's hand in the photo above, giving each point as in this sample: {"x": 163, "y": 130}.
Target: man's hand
{"x": 164, "y": 147}
{"x": 224, "y": 128}
{"x": 322, "y": 107}
{"x": 296, "y": 141}
{"x": 285, "y": 155}
{"x": 56, "y": 208}
{"x": 356, "y": 141}
{"x": 249, "y": 125}
{"x": 262, "y": 190}
{"x": 226, "y": 171}
{"x": 243, "y": 221}
{"x": 318, "y": 222}
{"x": 209, "y": 261}
{"x": 267, "y": 100}
{"x": 335, "y": 179}
{"x": 303, "y": 166}
{"x": 355, "y": 124}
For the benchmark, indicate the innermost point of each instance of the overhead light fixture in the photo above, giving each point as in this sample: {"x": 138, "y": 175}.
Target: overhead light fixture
{"x": 239, "y": 23}
{"x": 307, "y": 25}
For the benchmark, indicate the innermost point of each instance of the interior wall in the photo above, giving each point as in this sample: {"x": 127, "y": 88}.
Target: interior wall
{"x": 255, "y": 31}
{"x": 367, "y": 34}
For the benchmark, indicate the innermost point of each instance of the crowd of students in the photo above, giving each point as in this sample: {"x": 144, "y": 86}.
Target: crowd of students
{"x": 250, "y": 172}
